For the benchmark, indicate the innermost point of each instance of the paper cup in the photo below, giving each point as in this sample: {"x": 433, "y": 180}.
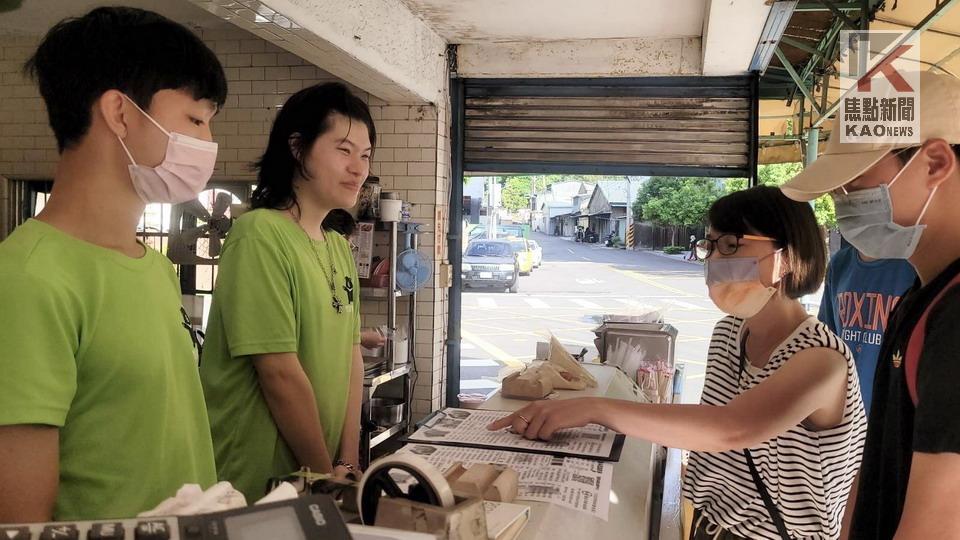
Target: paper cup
{"x": 390, "y": 209}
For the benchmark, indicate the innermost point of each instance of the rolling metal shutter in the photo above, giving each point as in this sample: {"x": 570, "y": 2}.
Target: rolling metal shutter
{"x": 669, "y": 126}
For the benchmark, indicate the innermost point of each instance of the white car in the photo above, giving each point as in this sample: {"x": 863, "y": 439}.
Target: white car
{"x": 537, "y": 253}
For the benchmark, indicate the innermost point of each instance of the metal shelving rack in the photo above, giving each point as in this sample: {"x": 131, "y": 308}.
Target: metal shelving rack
{"x": 372, "y": 435}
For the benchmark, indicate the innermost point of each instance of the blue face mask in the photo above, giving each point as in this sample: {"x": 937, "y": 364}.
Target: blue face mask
{"x": 865, "y": 219}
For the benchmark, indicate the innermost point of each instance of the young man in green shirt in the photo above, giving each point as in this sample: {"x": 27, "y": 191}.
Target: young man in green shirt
{"x": 102, "y": 412}
{"x": 282, "y": 370}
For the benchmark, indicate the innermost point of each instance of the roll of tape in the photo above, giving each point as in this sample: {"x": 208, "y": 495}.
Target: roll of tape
{"x": 430, "y": 485}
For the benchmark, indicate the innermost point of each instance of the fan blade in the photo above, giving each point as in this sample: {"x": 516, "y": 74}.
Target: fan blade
{"x": 215, "y": 244}
{"x": 189, "y": 237}
{"x": 221, "y": 204}
{"x": 413, "y": 270}
{"x": 195, "y": 208}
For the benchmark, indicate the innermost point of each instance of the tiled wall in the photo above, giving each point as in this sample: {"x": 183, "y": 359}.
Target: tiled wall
{"x": 5, "y": 202}
{"x": 27, "y": 147}
{"x": 412, "y": 141}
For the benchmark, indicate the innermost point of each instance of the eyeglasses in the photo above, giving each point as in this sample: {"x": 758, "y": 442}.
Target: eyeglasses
{"x": 726, "y": 244}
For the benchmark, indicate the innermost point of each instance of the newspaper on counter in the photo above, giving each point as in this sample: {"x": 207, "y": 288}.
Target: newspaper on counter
{"x": 580, "y": 484}
{"x": 463, "y": 427}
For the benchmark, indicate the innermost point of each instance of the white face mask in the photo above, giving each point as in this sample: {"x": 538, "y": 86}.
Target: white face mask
{"x": 865, "y": 219}
{"x": 181, "y": 176}
{"x": 735, "y": 286}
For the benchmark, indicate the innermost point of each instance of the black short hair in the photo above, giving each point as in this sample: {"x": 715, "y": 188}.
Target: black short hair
{"x": 905, "y": 154}
{"x": 340, "y": 221}
{"x": 302, "y": 119}
{"x": 134, "y": 51}
{"x": 766, "y": 211}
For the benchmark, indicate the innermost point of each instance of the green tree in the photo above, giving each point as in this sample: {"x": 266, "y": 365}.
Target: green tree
{"x": 778, "y": 174}
{"x": 679, "y": 202}
{"x": 651, "y": 189}
{"x": 516, "y": 188}
{"x": 516, "y": 192}
{"x": 825, "y": 212}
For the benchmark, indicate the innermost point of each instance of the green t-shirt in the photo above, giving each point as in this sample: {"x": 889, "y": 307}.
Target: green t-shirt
{"x": 92, "y": 341}
{"x": 272, "y": 296}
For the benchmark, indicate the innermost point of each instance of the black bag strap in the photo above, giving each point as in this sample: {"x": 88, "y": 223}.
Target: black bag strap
{"x": 767, "y": 501}
{"x": 757, "y": 480}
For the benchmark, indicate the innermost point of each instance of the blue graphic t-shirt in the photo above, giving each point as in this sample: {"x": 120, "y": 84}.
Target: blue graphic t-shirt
{"x": 858, "y": 297}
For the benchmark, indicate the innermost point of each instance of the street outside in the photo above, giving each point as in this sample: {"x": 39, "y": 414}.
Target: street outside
{"x": 577, "y": 284}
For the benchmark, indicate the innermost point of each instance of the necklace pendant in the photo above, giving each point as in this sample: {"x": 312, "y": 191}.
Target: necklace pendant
{"x": 337, "y": 304}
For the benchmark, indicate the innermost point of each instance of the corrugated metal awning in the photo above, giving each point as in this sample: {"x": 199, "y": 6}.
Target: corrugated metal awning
{"x": 681, "y": 126}
{"x": 813, "y": 27}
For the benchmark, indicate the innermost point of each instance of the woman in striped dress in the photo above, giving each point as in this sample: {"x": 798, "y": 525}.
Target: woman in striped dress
{"x": 778, "y": 434}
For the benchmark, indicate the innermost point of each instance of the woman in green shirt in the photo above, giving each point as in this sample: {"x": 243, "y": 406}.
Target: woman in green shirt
{"x": 281, "y": 370}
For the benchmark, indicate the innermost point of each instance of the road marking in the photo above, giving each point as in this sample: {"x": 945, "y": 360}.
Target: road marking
{"x": 570, "y": 250}
{"x": 628, "y": 302}
{"x": 574, "y": 316}
{"x": 479, "y": 363}
{"x": 586, "y": 303}
{"x": 589, "y": 281}
{"x": 491, "y": 349}
{"x": 486, "y": 303}
{"x": 640, "y": 277}
{"x": 682, "y": 304}
{"x": 536, "y": 303}
{"x": 464, "y": 346}
{"x": 585, "y": 258}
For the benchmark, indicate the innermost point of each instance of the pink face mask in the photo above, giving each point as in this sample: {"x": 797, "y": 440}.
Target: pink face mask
{"x": 735, "y": 286}
{"x": 181, "y": 176}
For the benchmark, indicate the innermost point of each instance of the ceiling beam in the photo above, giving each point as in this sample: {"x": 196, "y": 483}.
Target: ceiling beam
{"x": 850, "y": 23}
{"x": 816, "y": 6}
{"x": 799, "y": 45}
{"x": 922, "y": 26}
{"x": 796, "y": 78}
{"x": 384, "y": 50}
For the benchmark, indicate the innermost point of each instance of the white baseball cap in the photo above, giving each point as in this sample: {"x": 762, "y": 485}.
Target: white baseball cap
{"x": 939, "y": 114}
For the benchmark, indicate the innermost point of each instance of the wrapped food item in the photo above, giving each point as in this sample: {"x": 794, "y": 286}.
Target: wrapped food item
{"x": 561, "y": 380}
{"x": 527, "y": 384}
{"x": 570, "y": 369}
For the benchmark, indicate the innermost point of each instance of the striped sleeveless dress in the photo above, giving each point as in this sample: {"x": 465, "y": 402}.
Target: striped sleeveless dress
{"x": 807, "y": 473}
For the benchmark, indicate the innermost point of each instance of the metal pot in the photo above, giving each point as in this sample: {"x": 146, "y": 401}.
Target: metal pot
{"x": 386, "y": 412}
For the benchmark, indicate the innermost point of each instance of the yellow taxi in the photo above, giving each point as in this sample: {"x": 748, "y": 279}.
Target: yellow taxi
{"x": 524, "y": 252}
